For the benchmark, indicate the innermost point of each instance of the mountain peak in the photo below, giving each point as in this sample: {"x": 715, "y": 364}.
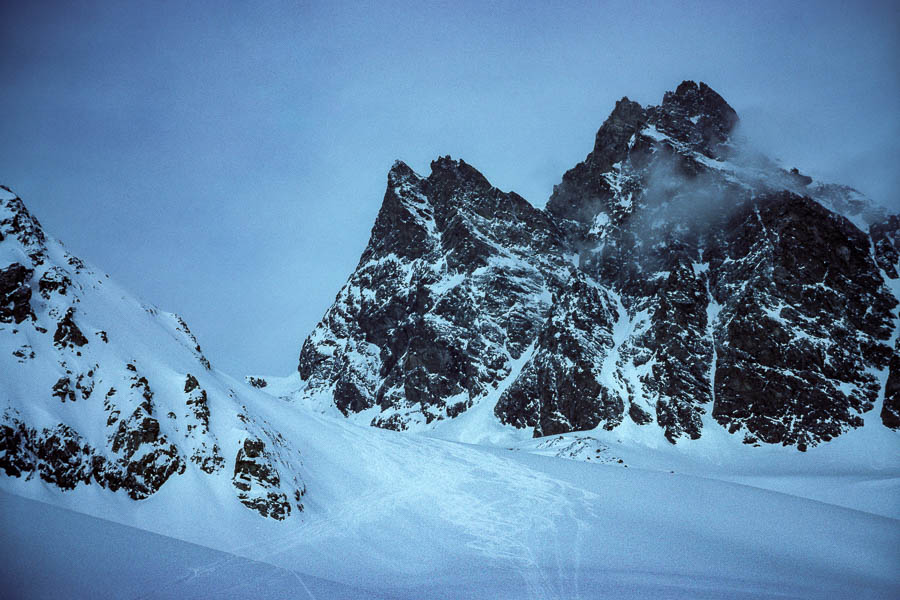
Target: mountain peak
{"x": 454, "y": 175}
{"x": 703, "y": 107}
{"x": 16, "y": 220}
{"x": 697, "y": 98}
{"x": 625, "y": 110}
{"x": 400, "y": 172}
{"x": 6, "y": 193}
{"x": 400, "y": 167}
{"x": 625, "y": 119}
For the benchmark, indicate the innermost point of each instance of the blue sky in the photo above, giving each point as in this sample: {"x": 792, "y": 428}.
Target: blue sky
{"x": 226, "y": 160}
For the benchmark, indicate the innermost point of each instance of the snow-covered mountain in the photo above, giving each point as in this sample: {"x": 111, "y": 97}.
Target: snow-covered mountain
{"x": 677, "y": 288}
{"x": 675, "y": 281}
{"x": 100, "y": 389}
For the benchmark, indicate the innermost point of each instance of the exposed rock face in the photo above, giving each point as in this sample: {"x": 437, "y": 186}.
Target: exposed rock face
{"x": 67, "y": 332}
{"x": 15, "y": 293}
{"x": 250, "y": 473}
{"x": 62, "y": 389}
{"x": 885, "y": 236}
{"x": 58, "y": 455}
{"x": 80, "y": 406}
{"x": 890, "y": 411}
{"x": 454, "y": 283}
{"x": 17, "y": 223}
{"x": 697, "y": 116}
{"x": 260, "y": 485}
{"x": 53, "y": 280}
{"x": 694, "y": 118}
{"x": 148, "y": 457}
{"x": 558, "y": 389}
{"x": 257, "y": 382}
{"x": 675, "y": 280}
{"x": 61, "y": 456}
{"x": 805, "y": 319}
{"x": 584, "y": 191}
{"x": 196, "y": 420}
{"x": 886, "y": 240}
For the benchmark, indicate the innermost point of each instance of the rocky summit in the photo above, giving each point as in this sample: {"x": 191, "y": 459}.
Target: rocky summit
{"x": 676, "y": 281}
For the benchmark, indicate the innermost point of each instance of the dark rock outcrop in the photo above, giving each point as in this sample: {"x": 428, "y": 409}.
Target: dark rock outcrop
{"x": 206, "y": 453}
{"x": 257, "y": 382}
{"x": 15, "y": 293}
{"x": 53, "y": 280}
{"x": 890, "y": 410}
{"x": 805, "y": 318}
{"x": 62, "y": 457}
{"x": 258, "y": 482}
{"x": 147, "y": 455}
{"x": 696, "y": 115}
{"x": 558, "y": 389}
{"x": 67, "y": 332}
{"x": 886, "y": 241}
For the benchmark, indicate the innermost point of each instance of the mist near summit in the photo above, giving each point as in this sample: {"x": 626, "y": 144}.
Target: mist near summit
{"x": 227, "y": 161}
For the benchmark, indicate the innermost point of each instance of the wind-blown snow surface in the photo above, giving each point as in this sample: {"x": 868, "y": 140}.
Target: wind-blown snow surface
{"x": 401, "y": 515}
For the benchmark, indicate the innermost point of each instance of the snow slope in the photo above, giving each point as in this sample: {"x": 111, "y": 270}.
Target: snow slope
{"x": 402, "y": 515}
{"x": 115, "y": 561}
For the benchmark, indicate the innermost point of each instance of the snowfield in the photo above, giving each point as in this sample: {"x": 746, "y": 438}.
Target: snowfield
{"x": 401, "y": 515}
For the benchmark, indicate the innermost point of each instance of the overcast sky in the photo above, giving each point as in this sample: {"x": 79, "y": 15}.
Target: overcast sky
{"x": 226, "y": 161}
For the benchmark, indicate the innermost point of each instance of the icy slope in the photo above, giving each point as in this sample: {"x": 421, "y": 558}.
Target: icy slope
{"x": 99, "y": 389}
